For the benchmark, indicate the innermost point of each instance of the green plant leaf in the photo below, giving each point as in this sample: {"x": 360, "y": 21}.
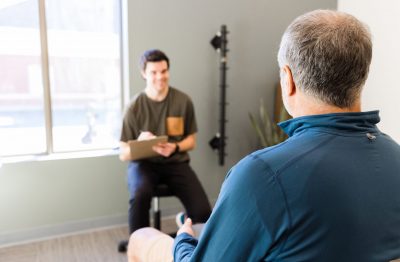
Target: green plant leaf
{"x": 258, "y": 130}
{"x": 268, "y": 132}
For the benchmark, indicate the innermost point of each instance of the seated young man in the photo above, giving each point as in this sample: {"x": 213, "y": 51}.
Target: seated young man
{"x": 161, "y": 110}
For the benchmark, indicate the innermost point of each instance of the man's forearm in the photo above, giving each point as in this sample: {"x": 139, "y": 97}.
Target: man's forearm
{"x": 188, "y": 143}
{"x": 124, "y": 151}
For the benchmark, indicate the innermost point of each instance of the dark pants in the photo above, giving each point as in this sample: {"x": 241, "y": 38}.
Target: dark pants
{"x": 180, "y": 178}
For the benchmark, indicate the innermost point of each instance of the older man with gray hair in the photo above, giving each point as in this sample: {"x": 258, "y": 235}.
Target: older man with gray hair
{"x": 331, "y": 191}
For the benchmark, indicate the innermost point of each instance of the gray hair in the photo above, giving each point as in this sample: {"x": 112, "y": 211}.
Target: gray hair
{"x": 329, "y": 54}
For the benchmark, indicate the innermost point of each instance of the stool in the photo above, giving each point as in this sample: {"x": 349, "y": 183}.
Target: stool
{"x": 161, "y": 190}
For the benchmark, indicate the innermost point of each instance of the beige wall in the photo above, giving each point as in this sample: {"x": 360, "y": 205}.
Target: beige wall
{"x": 382, "y": 90}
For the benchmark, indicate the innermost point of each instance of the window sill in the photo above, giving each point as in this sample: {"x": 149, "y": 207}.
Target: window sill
{"x": 60, "y": 156}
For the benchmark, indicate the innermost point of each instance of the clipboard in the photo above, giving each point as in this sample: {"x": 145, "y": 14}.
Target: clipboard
{"x": 143, "y": 148}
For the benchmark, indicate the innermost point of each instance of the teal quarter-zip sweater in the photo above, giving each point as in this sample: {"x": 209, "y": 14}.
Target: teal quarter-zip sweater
{"x": 330, "y": 192}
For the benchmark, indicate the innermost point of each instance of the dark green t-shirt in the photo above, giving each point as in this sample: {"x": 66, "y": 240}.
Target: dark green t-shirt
{"x": 174, "y": 117}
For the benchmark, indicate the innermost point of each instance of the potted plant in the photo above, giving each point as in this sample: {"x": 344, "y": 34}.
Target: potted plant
{"x": 266, "y": 128}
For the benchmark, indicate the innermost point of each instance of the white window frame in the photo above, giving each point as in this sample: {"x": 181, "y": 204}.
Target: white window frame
{"x": 49, "y": 153}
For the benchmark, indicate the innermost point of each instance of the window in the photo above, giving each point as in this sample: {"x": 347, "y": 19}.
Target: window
{"x": 60, "y": 84}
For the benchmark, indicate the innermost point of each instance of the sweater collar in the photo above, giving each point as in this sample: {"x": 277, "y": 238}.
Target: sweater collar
{"x": 347, "y": 122}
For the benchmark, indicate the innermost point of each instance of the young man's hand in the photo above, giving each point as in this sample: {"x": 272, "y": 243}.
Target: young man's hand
{"x": 186, "y": 228}
{"x": 165, "y": 149}
{"x": 146, "y": 135}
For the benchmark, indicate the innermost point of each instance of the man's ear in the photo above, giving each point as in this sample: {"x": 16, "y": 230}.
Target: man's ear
{"x": 143, "y": 74}
{"x": 288, "y": 85}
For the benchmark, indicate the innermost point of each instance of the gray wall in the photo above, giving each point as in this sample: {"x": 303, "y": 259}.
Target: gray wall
{"x": 40, "y": 198}
{"x": 49, "y": 197}
{"x": 183, "y": 30}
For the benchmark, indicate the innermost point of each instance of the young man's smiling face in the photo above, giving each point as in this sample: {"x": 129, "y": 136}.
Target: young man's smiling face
{"x": 156, "y": 75}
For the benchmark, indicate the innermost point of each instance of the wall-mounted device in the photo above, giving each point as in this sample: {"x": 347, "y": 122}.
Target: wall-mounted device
{"x": 218, "y": 142}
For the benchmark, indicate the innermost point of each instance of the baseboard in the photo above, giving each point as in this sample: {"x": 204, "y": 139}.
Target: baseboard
{"x": 74, "y": 227}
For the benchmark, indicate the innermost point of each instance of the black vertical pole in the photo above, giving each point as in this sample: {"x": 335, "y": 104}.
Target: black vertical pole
{"x": 223, "y": 69}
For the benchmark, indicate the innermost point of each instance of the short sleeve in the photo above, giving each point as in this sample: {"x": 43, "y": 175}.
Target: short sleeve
{"x": 190, "y": 118}
{"x": 129, "y": 129}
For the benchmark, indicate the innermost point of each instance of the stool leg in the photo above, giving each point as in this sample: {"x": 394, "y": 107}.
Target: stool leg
{"x": 156, "y": 213}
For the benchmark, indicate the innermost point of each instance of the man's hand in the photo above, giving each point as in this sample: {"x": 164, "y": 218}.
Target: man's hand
{"x": 165, "y": 149}
{"x": 186, "y": 228}
{"x": 146, "y": 135}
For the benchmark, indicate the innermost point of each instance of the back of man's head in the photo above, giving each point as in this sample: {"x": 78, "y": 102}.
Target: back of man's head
{"x": 329, "y": 54}
{"x": 152, "y": 55}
